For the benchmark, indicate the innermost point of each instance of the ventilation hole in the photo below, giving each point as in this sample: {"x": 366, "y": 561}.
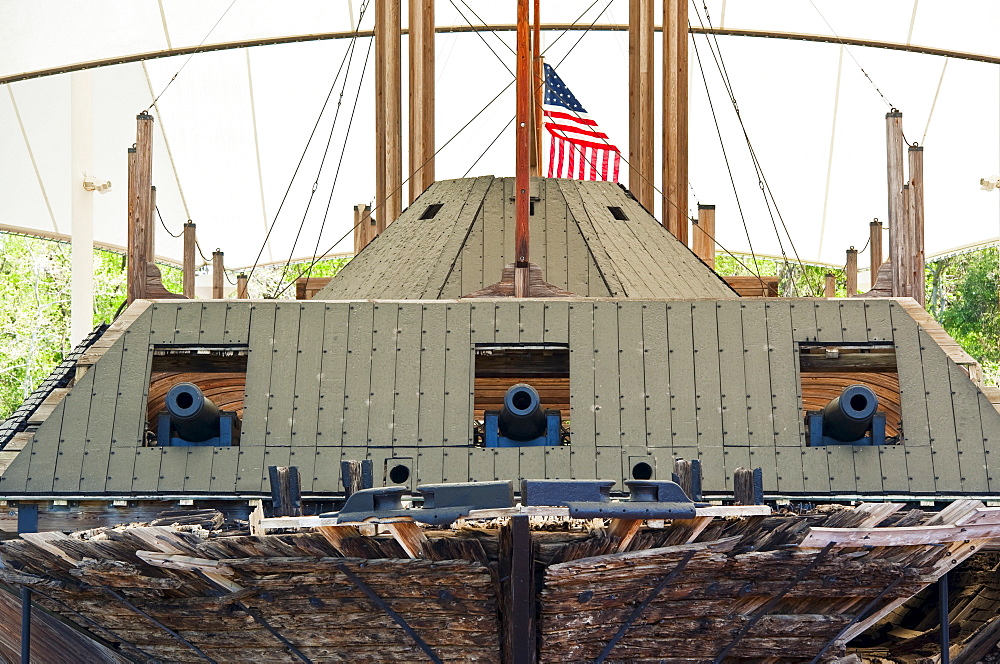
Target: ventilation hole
{"x": 531, "y": 208}
{"x": 432, "y": 210}
{"x": 184, "y": 400}
{"x": 859, "y": 402}
{"x": 399, "y": 474}
{"x": 642, "y": 471}
{"x": 617, "y": 213}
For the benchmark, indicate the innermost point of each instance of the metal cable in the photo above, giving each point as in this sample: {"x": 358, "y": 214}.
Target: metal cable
{"x": 165, "y": 226}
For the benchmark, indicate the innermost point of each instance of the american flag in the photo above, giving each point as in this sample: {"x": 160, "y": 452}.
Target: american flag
{"x": 578, "y": 148}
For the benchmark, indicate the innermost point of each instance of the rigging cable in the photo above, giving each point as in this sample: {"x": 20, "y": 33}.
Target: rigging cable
{"x": 164, "y": 225}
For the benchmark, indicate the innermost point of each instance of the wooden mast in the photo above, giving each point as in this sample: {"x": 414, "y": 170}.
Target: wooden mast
{"x": 537, "y": 87}
{"x": 874, "y": 248}
{"x": 218, "y": 275}
{"x": 852, "y": 272}
{"x": 140, "y": 174}
{"x": 522, "y": 181}
{"x": 388, "y": 111}
{"x": 640, "y": 101}
{"x": 189, "y": 247}
{"x": 421, "y": 45}
{"x": 703, "y": 235}
{"x": 897, "y": 212}
{"x": 675, "y": 118}
{"x": 916, "y": 221}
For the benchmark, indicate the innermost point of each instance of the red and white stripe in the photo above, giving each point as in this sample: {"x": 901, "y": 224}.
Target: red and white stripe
{"x": 578, "y": 149}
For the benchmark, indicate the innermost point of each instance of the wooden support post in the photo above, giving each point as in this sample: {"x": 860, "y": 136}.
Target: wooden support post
{"x": 140, "y": 175}
{"x": 218, "y": 276}
{"x": 421, "y": 43}
{"x": 519, "y": 565}
{"x": 241, "y": 286}
{"x": 151, "y": 235}
{"x": 874, "y": 248}
{"x": 522, "y": 180}
{"x": 830, "y": 289}
{"x": 852, "y": 272}
{"x": 537, "y": 88}
{"x": 25, "y": 625}
{"x": 898, "y": 249}
{"x": 943, "y": 618}
{"x": 640, "y": 101}
{"x": 363, "y": 231}
{"x": 916, "y": 225}
{"x": 703, "y": 235}
{"x": 675, "y": 118}
{"x": 388, "y": 112}
{"x": 355, "y": 476}
{"x": 286, "y": 490}
{"x": 189, "y": 249}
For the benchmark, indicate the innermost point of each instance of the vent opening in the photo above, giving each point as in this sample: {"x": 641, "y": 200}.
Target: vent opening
{"x": 432, "y": 210}
{"x": 617, "y": 213}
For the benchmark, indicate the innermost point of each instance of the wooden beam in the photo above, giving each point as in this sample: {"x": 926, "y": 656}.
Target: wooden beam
{"x": 140, "y": 174}
{"x": 522, "y": 180}
{"x": 640, "y": 101}
{"x": 852, "y": 272}
{"x": 241, "y": 286}
{"x": 151, "y": 235}
{"x": 421, "y": 46}
{"x": 675, "y": 118}
{"x": 703, "y": 234}
{"x": 830, "y": 288}
{"x": 874, "y": 248}
{"x": 913, "y": 536}
{"x": 218, "y": 275}
{"x": 538, "y": 88}
{"x": 388, "y": 112}
{"x": 916, "y": 221}
{"x": 363, "y": 231}
{"x": 898, "y": 249}
{"x": 188, "y": 267}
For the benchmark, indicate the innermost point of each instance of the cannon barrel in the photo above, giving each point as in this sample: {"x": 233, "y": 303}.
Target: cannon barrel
{"x": 848, "y": 417}
{"x": 522, "y": 417}
{"x": 193, "y": 415}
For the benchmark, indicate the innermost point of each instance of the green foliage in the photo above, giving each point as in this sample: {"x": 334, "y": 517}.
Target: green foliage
{"x": 794, "y": 279}
{"x": 278, "y": 281}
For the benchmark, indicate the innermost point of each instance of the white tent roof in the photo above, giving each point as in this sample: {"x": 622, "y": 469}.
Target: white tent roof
{"x": 237, "y": 121}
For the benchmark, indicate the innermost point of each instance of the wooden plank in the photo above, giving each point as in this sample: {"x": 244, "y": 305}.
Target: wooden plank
{"x": 868, "y": 469}
{"x": 459, "y": 377}
{"x": 757, "y": 360}
{"x": 656, "y": 369}
{"x": 250, "y": 470}
{"x": 920, "y": 468}
{"x": 785, "y": 385}
{"x": 357, "y": 388}
{"x": 914, "y": 536}
{"x": 256, "y": 402}
{"x": 581, "y": 375}
{"x": 237, "y": 329}
{"x": 634, "y": 394}
{"x": 407, "y": 374}
{"x": 493, "y": 227}
{"x": 326, "y": 466}
{"x": 708, "y": 381}
{"x": 913, "y": 400}
{"x": 554, "y": 213}
{"x": 765, "y": 458}
{"x": 284, "y": 354}
{"x": 731, "y": 356}
{"x": 454, "y": 220}
{"x": 606, "y": 271}
{"x": 684, "y": 415}
{"x": 481, "y": 467}
{"x": 274, "y": 455}
{"x": 878, "y": 320}
{"x": 815, "y": 470}
{"x": 472, "y": 253}
{"x": 188, "y": 325}
{"x": 853, "y": 320}
{"x": 430, "y": 418}
{"x": 198, "y": 470}
{"x": 308, "y": 374}
{"x": 990, "y": 417}
{"x": 173, "y": 462}
{"x": 713, "y": 468}
{"x": 146, "y": 471}
{"x": 969, "y": 431}
{"x": 532, "y": 322}
{"x": 68, "y": 464}
{"x": 940, "y": 415}
{"x": 303, "y": 457}
{"x": 508, "y": 321}
{"x": 213, "y": 323}
{"x": 381, "y": 393}
{"x": 607, "y": 386}
{"x": 164, "y": 323}
{"x": 734, "y": 457}
{"x": 843, "y": 474}
{"x": 223, "y": 465}
{"x": 483, "y": 322}
{"x": 788, "y": 461}
{"x": 556, "y": 322}
{"x": 333, "y": 372}
{"x": 97, "y": 447}
{"x": 804, "y": 326}
{"x": 892, "y": 462}
{"x": 557, "y": 463}
{"x": 828, "y": 324}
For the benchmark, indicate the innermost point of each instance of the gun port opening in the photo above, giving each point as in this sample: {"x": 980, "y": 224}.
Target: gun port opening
{"x": 642, "y": 471}
{"x": 399, "y": 474}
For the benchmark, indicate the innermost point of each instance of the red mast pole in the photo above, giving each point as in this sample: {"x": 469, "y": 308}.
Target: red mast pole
{"x": 522, "y": 181}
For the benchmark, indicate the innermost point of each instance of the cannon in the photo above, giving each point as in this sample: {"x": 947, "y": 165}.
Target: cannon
{"x": 521, "y": 421}
{"x": 853, "y": 418}
{"x": 191, "y": 418}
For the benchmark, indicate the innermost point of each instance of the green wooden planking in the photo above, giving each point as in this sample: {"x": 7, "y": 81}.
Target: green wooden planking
{"x": 133, "y": 386}
{"x": 815, "y": 470}
{"x": 44, "y": 453}
{"x": 407, "y": 391}
{"x": 941, "y": 411}
{"x": 506, "y": 464}
{"x": 455, "y": 219}
{"x": 843, "y": 476}
{"x": 784, "y": 371}
{"x": 599, "y": 264}
{"x": 14, "y": 478}
{"x": 708, "y": 382}
{"x": 556, "y": 322}
{"x": 382, "y": 397}
{"x": 430, "y": 423}
{"x": 255, "y": 402}
{"x": 481, "y": 468}
{"x": 829, "y": 327}
{"x": 579, "y": 259}
{"x": 892, "y": 461}
{"x": 656, "y": 371}
{"x": 452, "y": 289}
{"x": 556, "y": 237}
{"x": 308, "y": 372}
{"x": 912, "y": 397}
{"x": 303, "y": 457}
{"x": 188, "y": 324}
{"x": 493, "y": 227}
{"x": 326, "y": 466}
{"x": 173, "y": 463}
{"x": 531, "y": 462}
{"x": 609, "y": 466}
{"x": 631, "y": 273}
{"x": 508, "y": 321}
{"x": 104, "y": 402}
{"x": 455, "y": 464}
{"x": 237, "y": 329}
{"x": 213, "y": 322}
{"x": 713, "y": 468}
{"x": 853, "y": 321}
{"x": 224, "y": 464}
{"x": 406, "y": 457}
{"x": 680, "y": 345}
{"x": 757, "y": 361}
{"x": 250, "y": 470}
{"x": 483, "y": 322}
{"x": 788, "y": 461}
{"x": 734, "y": 457}
{"x": 557, "y": 463}
{"x": 765, "y": 458}
{"x": 459, "y": 380}
{"x": 803, "y": 320}
{"x": 607, "y": 386}
{"x": 506, "y": 246}
{"x": 920, "y": 468}
{"x": 990, "y": 418}
{"x": 430, "y": 465}
{"x": 472, "y": 255}
{"x": 532, "y": 322}
{"x": 878, "y": 320}
{"x": 635, "y": 397}
{"x": 969, "y": 427}
{"x": 581, "y": 381}
{"x": 867, "y": 468}
{"x": 163, "y": 324}
{"x": 333, "y": 371}
{"x": 357, "y": 385}
{"x": 198, "y": 470}
{"x": 734, "y": 376}
{"x": 537, "y": 226}
{"x": 73, "y": 436}
{"x": 284, "y": 354}
{"x": 146, "y": 472}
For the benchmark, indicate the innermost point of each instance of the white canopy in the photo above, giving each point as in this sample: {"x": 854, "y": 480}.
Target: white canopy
{"x": 231, "y": 125}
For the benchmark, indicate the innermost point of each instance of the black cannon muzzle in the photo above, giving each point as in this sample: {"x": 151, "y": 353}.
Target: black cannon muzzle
{"x": 848, "y": 417}
{"x": 193, "y": 415}
{"x": 522, "y": 417}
